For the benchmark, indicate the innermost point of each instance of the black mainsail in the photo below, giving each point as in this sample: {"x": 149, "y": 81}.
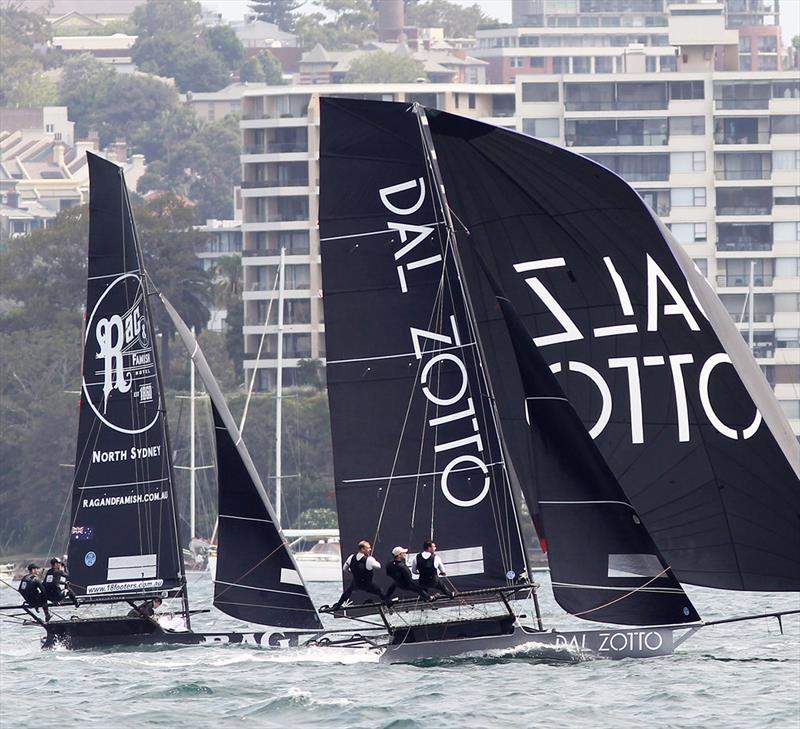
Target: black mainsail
{"x": 124, "y": 535}
{"x": 642, "y": 348}
{"x": 256, "y": 579}
{"x": 417, "y": 453}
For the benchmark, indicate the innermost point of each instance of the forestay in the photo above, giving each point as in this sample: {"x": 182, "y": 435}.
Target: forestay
{"x": 123, "y": 536}
{"x": 659, "y": 388}
{"x": 416, "y": 447}
{"x": 256, "y": 579}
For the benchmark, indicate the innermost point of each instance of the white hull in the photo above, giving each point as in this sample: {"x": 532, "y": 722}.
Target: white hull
{"x": 548, "y": 645}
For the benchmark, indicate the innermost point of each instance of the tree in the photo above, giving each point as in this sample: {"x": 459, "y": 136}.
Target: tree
{"x": 191, "y": 62}
{"x": 343, "y": 24}
{"x": 277, "y": 12}
{"x": 383, "y": 67}
{"x": 316, "y": 519}
{"x": 457, "y": 21}
{"x": 23, "y": 57}
{"x": 263, "y": 68}
{"x": 166, "y": 17}
{"x": 222, "y": 39}
{"x": 170, "y": 243}
{"x": 228, "y": 286}
{"x": 311, "y": 372}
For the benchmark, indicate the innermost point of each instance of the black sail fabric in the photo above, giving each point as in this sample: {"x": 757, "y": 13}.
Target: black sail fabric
{"x": 659, "y": 388}
{"x": 416, "y": 449}
{"x": 257, "y": 579}
{"x": 604, "y": 565}
{"x": 123, "y": 536}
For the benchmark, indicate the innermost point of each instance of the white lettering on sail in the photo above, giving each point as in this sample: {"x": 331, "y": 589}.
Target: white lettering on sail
{"x": 624, "y": 302}
{"x": 385, "y": 192}
{"x": 466, "y": 458}
{"x": 726, "y": 430}
{"x": 462, "y": 388}
{"x": 602, "y": 387}
{"x": 676, "y": 361}
{"x": 654, "y": 275}
{"x": 631, "y": 364}
{"x": 110, "y": 337}
{"x": 570, "y": 331}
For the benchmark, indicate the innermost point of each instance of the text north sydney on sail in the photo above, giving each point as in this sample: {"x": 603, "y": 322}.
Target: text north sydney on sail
{"x": 503, "y": 315}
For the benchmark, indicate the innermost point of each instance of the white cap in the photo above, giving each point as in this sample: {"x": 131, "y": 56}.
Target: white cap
{"x": 399, "y": 550}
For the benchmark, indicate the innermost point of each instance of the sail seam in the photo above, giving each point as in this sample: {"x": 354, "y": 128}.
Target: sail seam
{"x": 260, "y": 589}
{"x": 245, "y": 518}
{"x": 402, "y": 354}
{"x": 373, "y": 232}
{"x": 415, "y": 475}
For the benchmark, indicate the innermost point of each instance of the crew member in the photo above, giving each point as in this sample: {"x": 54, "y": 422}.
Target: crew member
{"x": 400, "y": 573}
{"x": 361, "y": 565}
{"x": 30, "y": 587}
{"x": 56, "y": 588}
{"x": 428, "y": 565}
{"x": 145, "y": 609}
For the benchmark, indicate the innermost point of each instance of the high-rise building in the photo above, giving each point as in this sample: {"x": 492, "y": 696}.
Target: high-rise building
{"x": 716, "y": 154}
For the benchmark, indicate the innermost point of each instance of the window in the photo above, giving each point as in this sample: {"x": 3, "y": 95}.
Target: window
{"x": 787, "y": 267}
{"x": 581, "y": 64}
{"x": 603, "y": 64}
{"x": 786, "y": 159}
{"x": 702, "y": 265}
{"x": 294, "y": 241}
{"x": 789, "y": 303}
{"x": 541, "y": 127}
{"x": 786, "y": 195}
{"x": 744, "y": 43}
{"x": 688, "y": 161}
{"x": 668, "y": 63}
{"x": 768, "y": 63}
{"x": 786, "y": 124}
{"x": 787, "y": 338}
{"x": 536, "y": 62}
{"x": 791, "y": 408}
{"x": 560, "y": 65}
{"x": 687, "y": 125}
{"x": 690, "y": 232}
{"x": 686, "y": 90}
{"x": 516, "y": 62}
{"x": 471, "y": 101}
{"x": 635, "y": 167}
{"x": 768, "y": 44}
{"x": 786, "y": 231}
{"x": 688, "y": 197}
{"x": 539, "y": 92}
{"x": 50, "y": 128}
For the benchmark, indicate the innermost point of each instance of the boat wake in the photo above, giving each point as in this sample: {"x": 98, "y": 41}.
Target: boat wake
{"x": 538, "y": 653}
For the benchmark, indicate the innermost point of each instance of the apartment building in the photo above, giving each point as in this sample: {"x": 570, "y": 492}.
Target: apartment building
{"x": 715, "y": 153}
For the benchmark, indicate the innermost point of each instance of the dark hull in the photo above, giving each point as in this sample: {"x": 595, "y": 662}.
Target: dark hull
{"x": 121, "y": 632}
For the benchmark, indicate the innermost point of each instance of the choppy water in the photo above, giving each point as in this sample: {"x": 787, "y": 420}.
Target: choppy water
{"x": 736, "y": 675}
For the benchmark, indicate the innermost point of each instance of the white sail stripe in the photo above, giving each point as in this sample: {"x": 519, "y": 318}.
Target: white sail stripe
{"x": 101, "y": 383}
{"x": 112, "y": 275}
{"x": 128, "y": 483}
{"x": 127, "y": 369}
{"x": 260, "y": 589}
{"x": 547, "y": 397}
{"x": 375, "y": 232}
{"x": 402, "y": 354}
{"x": 622, "y": 503}
{"x": 672, "y": 590}
{"x": 417, "y": 475}
{"x": 244, "y": 518}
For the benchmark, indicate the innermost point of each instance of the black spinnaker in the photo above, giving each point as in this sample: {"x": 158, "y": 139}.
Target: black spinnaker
{"x": 667, "y": 393}
{"x": 604, "y": 565}
{"x": 124, "y": 536}
{"x": 257, "y": 579}
{"x": 416, "y": 448}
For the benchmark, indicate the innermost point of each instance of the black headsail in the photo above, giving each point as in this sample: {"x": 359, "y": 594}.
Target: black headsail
{"x": 416, "y": 448}
{"x": 124, "y": 537}
{"x": 604, "y": 564}
{"x": 257, "y": 579}
{"x": 656, "y": 371}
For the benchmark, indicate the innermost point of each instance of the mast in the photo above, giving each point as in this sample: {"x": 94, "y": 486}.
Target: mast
{"x": 279, "y": 391}
{"x": 192, "y": 474}
{"x": 427, "y": 145}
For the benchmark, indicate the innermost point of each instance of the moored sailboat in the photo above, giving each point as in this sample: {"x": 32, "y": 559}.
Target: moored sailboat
{"x": 445, "y": 408}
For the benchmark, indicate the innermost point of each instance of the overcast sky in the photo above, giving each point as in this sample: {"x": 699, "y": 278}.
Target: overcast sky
{"x": 501, "y": 10}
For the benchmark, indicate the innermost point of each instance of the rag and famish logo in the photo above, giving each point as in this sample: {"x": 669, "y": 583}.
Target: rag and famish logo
{"x": 124, "y": 350}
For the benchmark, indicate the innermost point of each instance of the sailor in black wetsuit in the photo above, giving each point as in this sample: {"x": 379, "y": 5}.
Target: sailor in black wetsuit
{"x": 361, "y": 565}
{"x": 145, "y": 609}
{"x": 428, "y": 565}
{"x": 400, "y": 573}
{"x": 32, "y": 591}
{"x": 56, "y": 588}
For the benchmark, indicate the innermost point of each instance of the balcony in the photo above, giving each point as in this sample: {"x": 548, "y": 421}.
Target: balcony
{"x": 744, "y": 209}
{"x": 761, "y": 102}
{"x": 746, "y": 138}
{"x": 744, "y": 245}
{"x": 764, "y": 350}
{"x": 743, "y": 174}
{"x": 742, "y": 280}
{"x": 296, "y": 182}
{"x": 621, "y": 140}
{"x": 276, "y": 147}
